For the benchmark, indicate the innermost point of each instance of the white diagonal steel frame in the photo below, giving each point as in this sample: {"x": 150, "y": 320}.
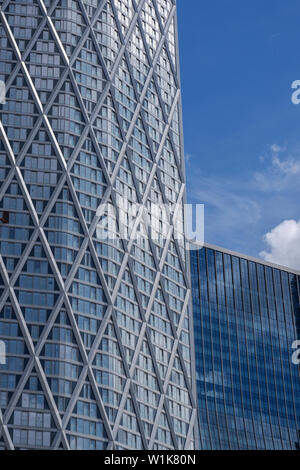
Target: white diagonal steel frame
{"x": 39, "y": 223}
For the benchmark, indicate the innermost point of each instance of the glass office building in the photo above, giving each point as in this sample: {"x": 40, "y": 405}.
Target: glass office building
{"x": 96, "y": 330}
{"x": 246, "y": 320}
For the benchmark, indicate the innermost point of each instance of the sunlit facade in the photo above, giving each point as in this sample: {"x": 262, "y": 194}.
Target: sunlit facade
{"x": 97, "y": 332}
{"x": 246, "y": 320}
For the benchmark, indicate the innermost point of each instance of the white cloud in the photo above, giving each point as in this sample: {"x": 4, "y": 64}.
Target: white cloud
{"x": 188, "y": 157}
{"x": 230, "y": 213}
{"x": 280, "y": 174}
{"x": 290, "y": 166}
{"x": 276, "y": 148}
{"x": 284, "y": 244}
{"x": 239, "y": 210}
{"x": 230, "y": 206}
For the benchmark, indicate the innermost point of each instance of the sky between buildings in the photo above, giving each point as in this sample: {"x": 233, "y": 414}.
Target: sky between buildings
{"x": 242, "y": 131}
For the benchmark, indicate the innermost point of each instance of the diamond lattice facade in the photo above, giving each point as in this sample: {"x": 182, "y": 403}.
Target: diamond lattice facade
{"x": 247, "y": 327}
{"x": 97, "y": 332}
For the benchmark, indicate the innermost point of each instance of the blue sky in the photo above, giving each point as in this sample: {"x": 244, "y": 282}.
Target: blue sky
{"x": 242, "y": 132}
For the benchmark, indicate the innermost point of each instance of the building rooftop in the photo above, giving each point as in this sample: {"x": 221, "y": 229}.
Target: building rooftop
{"x": 249, "y": 258}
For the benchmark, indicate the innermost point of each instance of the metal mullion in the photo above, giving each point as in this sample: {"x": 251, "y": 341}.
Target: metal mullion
{"x": 156, "y": 421}
{"x": 184, "y": 199}
{"x": 203, "y": 354}
{"x": 33, "y": 362}
{"x": 127, "y": 372}
{"x": 36, "y": 231}
{"x": 120, "y": 409}
{"x": 21, "y": 384}
{"x": 263, "y": 343}
{"x": 16, "y": 69}
{"x": 182, "y": 363}
{"x": 198, "y": 435}
{"x": 161, "y": 186}
{"x": 212, "y": 340}
{"x": 72, "y": 401}
{"x": 44, "y": 242}
{"x": 162, "y": 42}
{"x": 74, "y": 326}
{"x": 272, "y": 349}
{"x": 100, "y": 404}
{"x": 147, "y": 224}
{"x": 90, "y": 24}
{"x": 229, "y": 341}
{"x": 36, "y": 33}
{"x": 49, "y": 396}
{"x": 221, "y": 350}
{"x": 146, "y": 333}
{"x": 14, "y": 47}
{"x": 84, "y": 357}
{"x": 179, "y": 200}
{"x": 23, "y": 69}
{"x": 85, "y": 360}
{"x": 281, "y": 362}
{"x": 159, "y": 151}
{"x": 170, "y": 424}
{"x": 98, "y": 338}
{"x": 185, "y": 308}
{"x": 235, "y": 290}
{"x": 166, "y": 43}
{"x": 166, "y": 298}
{"x": 119, "y": 279}
{"x": 142, "y": 96}
{"x": 4, "y": 5}
{"x": 129, "y": 263}
{"x": 30, "y": 205}
{"x": 160, "y": 382}
{"x": 86, "y": 374}
{"x": 87, "y": 371}
{"x": 94, "y": 114}
{"x": 293, "y": 318}
{"x": 167, "y": 118}
{"x": 247, "y": 348}
{"x": 5, "y": 434}
{"x": 85, "y": 243}
{"x": 181, "y": 165}
{"x": 147, "y": 136}
{"x": 191, "y": 430}
{"x": 23, "y": 56}
{"x": 20, "y": 177}
{"x": 254, "y": 335}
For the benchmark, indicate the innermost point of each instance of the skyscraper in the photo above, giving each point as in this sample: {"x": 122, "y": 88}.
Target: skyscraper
{"x": 246, "y": 318}
{"x": 96, "y": 330}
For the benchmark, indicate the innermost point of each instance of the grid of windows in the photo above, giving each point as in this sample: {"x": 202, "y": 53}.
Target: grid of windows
{"x": 97, "y": 331}
{"x": 246, "y": 318}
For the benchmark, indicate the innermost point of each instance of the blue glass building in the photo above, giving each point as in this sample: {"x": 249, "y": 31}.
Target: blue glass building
{"x": 246, "y": 319}
{"x": 97, "y": 331}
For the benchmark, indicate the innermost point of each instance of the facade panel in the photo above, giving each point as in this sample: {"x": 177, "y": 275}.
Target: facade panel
{"x": 246, "y": 320}
{"x": 97, "y": 330}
